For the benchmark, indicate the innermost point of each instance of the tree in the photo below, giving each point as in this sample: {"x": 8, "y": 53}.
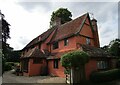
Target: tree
{"x": 5, "y": 35}
{"x": 114, "y": 47}
{"x": 76, "y": 61}
{"x": 63, "y": 13}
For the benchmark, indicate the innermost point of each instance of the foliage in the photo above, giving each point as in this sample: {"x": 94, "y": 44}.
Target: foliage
{"x": 13, "y": 56}
{"x": 74, "y": 59}
{"x": 62, "y": 13}
{"x": 115, "y": 47}
{"x": 8, "y": 66}
{"x": 105, "y": 76}
{"x": 5, "y": 35}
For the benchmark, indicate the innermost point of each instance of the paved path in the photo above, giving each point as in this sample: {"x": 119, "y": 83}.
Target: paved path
{"x": 8, "y": 77}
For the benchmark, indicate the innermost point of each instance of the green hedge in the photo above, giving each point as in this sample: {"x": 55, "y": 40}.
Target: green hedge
{"x": 105, "y": 76}
{"x": 7, "y": 67}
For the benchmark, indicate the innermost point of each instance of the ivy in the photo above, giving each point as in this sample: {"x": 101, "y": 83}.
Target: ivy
{"x": 74, "y": 59}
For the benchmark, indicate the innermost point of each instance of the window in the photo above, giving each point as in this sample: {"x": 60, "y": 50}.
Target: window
{"x": 55, "y": 45}
{"x": 39, "y": 46}
{"x": 88, "y": 41}
{"x": 102, "y": 64}
{"x": 55, "y": 63}
{"x": 65, "y": 42}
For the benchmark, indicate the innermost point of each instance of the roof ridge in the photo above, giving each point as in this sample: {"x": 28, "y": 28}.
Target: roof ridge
{"x": 73, "y": 20}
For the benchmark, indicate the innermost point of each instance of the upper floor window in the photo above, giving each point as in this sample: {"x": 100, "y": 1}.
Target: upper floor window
{"x": 65, "y": 42}
{"x": 88, "y": 41}
{"x": 55, "y": 45}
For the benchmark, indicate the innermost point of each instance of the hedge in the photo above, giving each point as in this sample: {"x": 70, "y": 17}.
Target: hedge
{"x": 105, "y": 76}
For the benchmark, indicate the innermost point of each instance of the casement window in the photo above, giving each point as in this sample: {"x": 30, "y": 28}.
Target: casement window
{"x": 88, "y": 41}
{"x": 65, "y": 42}
{"x": 55, "y": 45}
{"x": 55, "y": 64}
{"x": 102, "y": 64}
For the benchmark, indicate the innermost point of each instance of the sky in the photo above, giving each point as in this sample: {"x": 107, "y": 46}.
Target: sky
{"x": 31, "y": 18}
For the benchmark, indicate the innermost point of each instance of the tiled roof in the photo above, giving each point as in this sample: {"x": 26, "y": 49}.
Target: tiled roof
{"x": 94, "y": 51}
{"x": 70, "y": 28}
{"x": 40, "y": 38}
{"x": 35, "y": 52}
{"x": 66, "y": 30}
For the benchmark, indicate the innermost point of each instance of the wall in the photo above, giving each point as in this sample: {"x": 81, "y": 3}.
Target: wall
{"x": 35, "y": 69}
{"x": 90, "y": 67}
{"x": 56, "y": 72}
{"x": 71, "y": 45}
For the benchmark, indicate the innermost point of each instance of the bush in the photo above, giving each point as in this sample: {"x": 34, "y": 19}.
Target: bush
{"x": 105, "y": 76}
{"x": 74, "y": 59}
{"x": 7, "y": 67}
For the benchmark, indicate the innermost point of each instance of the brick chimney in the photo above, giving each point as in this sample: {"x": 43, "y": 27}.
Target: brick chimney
{"x": 56, "y": 22}
{"x": 96, "y": 36}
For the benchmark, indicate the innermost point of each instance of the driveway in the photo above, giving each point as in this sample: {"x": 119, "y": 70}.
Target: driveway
{"x": 8, "y": 77}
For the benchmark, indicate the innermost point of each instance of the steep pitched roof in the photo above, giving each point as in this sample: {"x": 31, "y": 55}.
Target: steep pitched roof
{"x": 70, "y": 28}
{"x": 95, "y": 52}
{"x": 35, "y": 52}
{"x": 66, "y": 30}
{"x": 40, "y": 38}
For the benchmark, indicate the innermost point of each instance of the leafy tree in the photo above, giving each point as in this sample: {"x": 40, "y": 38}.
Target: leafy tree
{"x": 5, "y": 35}
{"x": 63, "y": 13}
{"x": 114, "y": 47}
{"x": 76, "y": 61}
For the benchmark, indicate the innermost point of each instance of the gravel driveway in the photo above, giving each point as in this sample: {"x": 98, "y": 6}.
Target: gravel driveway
{"x": 8, "y": 77}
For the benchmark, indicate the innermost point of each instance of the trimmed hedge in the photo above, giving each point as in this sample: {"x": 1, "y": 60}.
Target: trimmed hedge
{"x": 105, "y": 76}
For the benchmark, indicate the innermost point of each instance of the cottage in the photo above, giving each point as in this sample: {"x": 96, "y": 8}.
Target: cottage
{"x": 42, "y": 55}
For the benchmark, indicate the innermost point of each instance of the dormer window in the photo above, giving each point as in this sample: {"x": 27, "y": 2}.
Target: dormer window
{"x": 55, "y": 45}
{"x": 65, "y": 42}
{"x": 88, "y": 41}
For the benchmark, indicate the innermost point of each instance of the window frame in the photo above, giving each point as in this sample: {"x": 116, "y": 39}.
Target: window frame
{"x": 66, "y": 42}
{"x": 88, "y": 41}
{"x": 55, "y": 45}
{"x": 56, "y": 64}
{"x": 102, "y": 64}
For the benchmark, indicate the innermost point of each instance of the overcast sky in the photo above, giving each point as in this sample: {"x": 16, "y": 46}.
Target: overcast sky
{"x": 30, "y": 19}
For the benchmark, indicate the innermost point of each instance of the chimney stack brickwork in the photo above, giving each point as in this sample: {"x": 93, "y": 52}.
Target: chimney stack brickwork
{"x": 96, "y": 36}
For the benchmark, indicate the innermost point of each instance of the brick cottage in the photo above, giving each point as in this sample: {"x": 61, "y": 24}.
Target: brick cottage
{"x": 42, "y": 55}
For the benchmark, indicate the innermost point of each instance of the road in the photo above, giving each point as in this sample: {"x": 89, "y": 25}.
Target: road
{"x": 12, "y": 79}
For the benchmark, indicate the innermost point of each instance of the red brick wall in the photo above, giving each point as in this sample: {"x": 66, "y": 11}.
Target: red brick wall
{"x": 71, "y": 45}
{"x": 35, "y": 69}
{"x": 90, "y": 67}
{"x": 56, "y": 72}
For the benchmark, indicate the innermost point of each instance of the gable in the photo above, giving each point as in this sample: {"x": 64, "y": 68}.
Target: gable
{"x": 69, "y": 29}
{"x": 86, "y": 30}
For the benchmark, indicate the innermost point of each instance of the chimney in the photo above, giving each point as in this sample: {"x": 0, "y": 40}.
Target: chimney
{"x": 56, "y": 22}
{"x": 96, "y": 36}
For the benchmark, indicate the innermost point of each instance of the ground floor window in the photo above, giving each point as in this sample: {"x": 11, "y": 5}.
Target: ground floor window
{"x": 102, "y": 64}
{"x": 55, "y": 64}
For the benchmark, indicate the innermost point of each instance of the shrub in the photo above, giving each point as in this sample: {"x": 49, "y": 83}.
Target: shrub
{"x": 7, "y": 67}
{"x": 105, "y": 76}
{"x": 74, "y": 59}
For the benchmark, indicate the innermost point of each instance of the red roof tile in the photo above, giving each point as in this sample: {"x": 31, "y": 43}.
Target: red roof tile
{"x": 69, "y": 28}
